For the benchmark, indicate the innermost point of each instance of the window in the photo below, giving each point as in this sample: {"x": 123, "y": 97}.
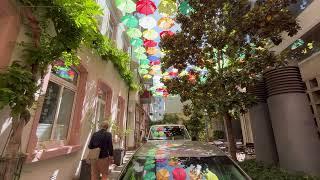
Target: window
{"x": 58, "y": 105}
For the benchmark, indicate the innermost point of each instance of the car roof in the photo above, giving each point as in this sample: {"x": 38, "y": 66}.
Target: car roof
{"x": 178, "y": 148}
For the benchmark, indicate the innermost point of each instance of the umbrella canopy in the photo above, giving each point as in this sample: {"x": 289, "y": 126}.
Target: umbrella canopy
{"x": 167, "y": 7}
{"x": 126, "y": 6}
{"x": 150, "y": 34}
{"x": 185, "y": 8}
{"x": 141, "y": 56}
{"x": 147, "y": 76}
{"x": 153, "y": 58}
{"x": 140, "y": 50}
{"x": 151, "y": 50}
{"x": 147, "y": 22}
{"x": 165, "y": 23}
{"x": 157, "y": 62}
{"x": 143, "y": 71}
{"x": 136, "y": 42}
{"x": 144, "y": 61}
{"x": 134, "y": 33}
{"x": 144, "y": 66}
{"x": 130, "y": 21}
{"x": 149, "y": 43}
{"x": 146, "y": 7}
{"x": 166, "y": 33}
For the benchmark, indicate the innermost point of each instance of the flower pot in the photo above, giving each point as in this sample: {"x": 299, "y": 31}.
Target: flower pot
{"x": 118, "y": 155}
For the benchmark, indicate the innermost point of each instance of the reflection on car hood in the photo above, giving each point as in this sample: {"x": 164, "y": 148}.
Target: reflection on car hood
{"x": 178, "y": 149}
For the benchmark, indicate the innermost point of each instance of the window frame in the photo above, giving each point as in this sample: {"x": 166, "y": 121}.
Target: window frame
{"x": 62, "y": 84}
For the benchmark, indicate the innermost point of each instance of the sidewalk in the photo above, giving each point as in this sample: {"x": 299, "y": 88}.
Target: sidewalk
{"x": 116, "y": 170}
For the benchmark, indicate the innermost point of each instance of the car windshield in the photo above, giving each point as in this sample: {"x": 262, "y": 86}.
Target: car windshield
{"x": 168, "y": 133}
{"x": 197, "y": 168}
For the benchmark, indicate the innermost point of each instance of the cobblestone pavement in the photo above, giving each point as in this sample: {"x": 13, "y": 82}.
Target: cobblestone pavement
{"x": 115, "y": 170}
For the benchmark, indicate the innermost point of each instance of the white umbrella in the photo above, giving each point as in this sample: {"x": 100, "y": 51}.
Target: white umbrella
{"x": 147, "y": 22}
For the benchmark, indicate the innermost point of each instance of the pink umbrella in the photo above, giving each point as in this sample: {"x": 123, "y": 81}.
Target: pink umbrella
{"x": 145, "y": 7}
{"x": 166, "y": 33}
{"x": 179, "y": 174}
{"x": 149, "y": 43}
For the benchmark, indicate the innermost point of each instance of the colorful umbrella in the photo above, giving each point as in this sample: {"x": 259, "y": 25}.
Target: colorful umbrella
{"x": 150, "y": 34}
{"x": 117, "y": 2}
{"x": 149, "y": 43}
{"x": 163, "y": 174}
{"x": 134, "y": 33}
{"x": 165, "y": 23}
{"x": 166, "y": 33}
{"x": 136, "y": 42}
{"x": 141, "y": 56}
{"x": 144, "y": 66}
{"x": 140, "y": 50}
{"x": 147, "y": 22}
{"x": 157, "y": 62}
{"x": 185, "y": 8}
{"x": 144, "y": 61}
{"x": 151, "y": 50}
{"x": 179, "y": 174}
{"x": 168, "y": 7}
{"x": 143, "y": 71}
{"x": 130, "y": 21}
{"x": 153, "y": 58}
{"x": 126, "y": 6}
{"x": 146, "y": 7}
{"x": 147, "y": 76}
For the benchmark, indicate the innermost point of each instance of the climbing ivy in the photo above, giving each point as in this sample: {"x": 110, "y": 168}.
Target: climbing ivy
{"x": 75, "y": 26}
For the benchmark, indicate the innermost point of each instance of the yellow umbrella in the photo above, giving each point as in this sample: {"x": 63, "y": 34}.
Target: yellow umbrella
{"x": 150, "y": 34}
{"x": 165, "y": 23}
{"x": 163, "y": 174}
{"x": 167, "y": 7}
{"x": 152, "y": 50}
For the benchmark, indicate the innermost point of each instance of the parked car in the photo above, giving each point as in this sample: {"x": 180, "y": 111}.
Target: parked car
{"x": 181, "y": 160}
{"x": 168, "y": 132}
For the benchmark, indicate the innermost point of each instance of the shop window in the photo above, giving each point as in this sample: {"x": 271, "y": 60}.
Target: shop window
{"x": 58, "y": 105}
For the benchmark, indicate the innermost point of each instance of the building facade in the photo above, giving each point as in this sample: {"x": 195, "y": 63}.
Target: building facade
{"x": 72, "y": 100}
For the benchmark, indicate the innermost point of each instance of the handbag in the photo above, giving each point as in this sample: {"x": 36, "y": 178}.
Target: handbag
{"x": 93, "y": 154}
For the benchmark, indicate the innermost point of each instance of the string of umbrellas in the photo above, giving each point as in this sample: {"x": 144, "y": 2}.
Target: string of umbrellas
{"x": 143, "y": 30}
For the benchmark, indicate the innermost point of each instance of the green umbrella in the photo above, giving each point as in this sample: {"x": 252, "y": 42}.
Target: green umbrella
{"x": 143, "y": 71}
{"x": 144, "y": 61}
{"x": 117, "y": 2}
{"x": 185, "y": 8}
{"x": 136, "y": 42}
{"x": 149, "y": 176}
{"x": 126, "y": 6}
{"x": 168, "y": 7}
{"x": 140, "y": 50}
{"x": 130, "y": 21}
{"x": 141, "y": 56}
{"x": 134, "y": 33}
{"x": 144, "y": 66}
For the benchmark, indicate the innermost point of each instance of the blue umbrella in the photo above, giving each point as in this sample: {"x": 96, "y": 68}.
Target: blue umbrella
{"x": 153, "y": 58}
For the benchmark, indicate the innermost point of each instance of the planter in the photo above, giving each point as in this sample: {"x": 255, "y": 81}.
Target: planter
{"x": 118, "y": 155}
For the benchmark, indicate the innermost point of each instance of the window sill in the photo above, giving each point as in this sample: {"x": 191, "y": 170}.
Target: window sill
{"x": 51, "y": 153}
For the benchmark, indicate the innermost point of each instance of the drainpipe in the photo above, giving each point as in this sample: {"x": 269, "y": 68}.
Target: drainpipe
{"x": 128, "y": 98}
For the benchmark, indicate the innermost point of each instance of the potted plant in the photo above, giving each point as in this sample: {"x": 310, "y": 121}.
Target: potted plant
{"x": 118, "y": 136}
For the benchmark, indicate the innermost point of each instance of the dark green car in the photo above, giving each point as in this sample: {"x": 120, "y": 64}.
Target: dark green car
{"x": 181, "y": 160}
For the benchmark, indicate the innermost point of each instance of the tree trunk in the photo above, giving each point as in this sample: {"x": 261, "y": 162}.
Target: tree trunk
{"x": 228, "y": 127}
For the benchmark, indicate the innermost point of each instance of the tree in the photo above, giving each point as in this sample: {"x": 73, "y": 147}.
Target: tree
{"x": 222, "y": 49}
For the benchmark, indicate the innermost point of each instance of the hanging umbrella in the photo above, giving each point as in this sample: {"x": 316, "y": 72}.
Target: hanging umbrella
{"x": 166, "y": 33}
{"x": 145, "y": 7}
{"x": 147, "y": 76}
{"x": 153, "y": 58}
{"x": 130, "y": 21}
{"x": 134, "y": 33}
{"x": 165, "y": 23}
{"x": 141, "y": 56}
{"x": 144, "y": 61}
{"x": 167, "y": 7}
{"x": 140, "y": 50}
{"x": 144, "y": 66}
{"x": 143, "y": 71}
{"x": 149, "y": 43}
{"x": 157, "y": 62}
{"x": 147, "y": 22}
{"x": 163, "y": 174}
{"x": 151, "y": 50}
{"x": 136, "y": 42}
{"x": 126, "y": 6}
{"x": 117, "y": 2}
{"x": 150, "y": 34}
{"x": 185, "y": 8}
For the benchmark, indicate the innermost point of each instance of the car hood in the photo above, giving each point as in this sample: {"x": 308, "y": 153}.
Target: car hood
{"x": 178, "y": 148}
